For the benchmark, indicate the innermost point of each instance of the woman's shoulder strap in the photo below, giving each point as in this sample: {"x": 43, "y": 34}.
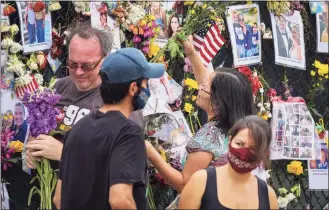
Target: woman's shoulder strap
{"x": 264, "y": 200}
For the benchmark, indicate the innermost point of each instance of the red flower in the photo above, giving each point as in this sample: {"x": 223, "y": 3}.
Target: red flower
{"x": 8, "y": 10}
{"x": 160, "y": 178}
{"x": 245, "y": 70}
{"x": 255, "y": 85}
{"x": 39, "y": 6}
{"x": 271, "y": 92}
{"x": 150, "y": 133}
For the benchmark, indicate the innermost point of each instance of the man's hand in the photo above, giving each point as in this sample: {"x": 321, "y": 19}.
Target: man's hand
{"x": 46, "y": 146}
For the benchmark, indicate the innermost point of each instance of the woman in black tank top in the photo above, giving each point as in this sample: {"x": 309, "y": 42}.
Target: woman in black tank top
{"x": 233, "y": 186}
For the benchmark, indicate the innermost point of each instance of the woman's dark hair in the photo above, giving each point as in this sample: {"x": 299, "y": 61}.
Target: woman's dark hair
{"x": 231, "y": 97}
{"x": 169, "y": 29}
{"x": 260, "y": 131}
{"x": 114, "y": 93}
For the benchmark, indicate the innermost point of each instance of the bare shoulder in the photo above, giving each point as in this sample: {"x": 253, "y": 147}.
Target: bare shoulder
{"x": 272, "y": 198}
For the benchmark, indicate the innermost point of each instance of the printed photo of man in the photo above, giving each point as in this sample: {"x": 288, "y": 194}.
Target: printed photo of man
{"x": 30, "y": 22}
{"x": 239, "y": 34}
{"x": 283, "y": 36}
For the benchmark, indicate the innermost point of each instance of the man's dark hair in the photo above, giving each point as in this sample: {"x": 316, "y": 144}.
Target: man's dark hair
{"x": 260, "y": 131}
{"x": 21, "y": 105}
{"x": 231, "y": 97}
{"x": 114, "y": 93}
{"x": 85, "y": 31}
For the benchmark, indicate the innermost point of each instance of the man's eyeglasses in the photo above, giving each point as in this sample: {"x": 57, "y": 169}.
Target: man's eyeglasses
{"x": 84, "y": 66}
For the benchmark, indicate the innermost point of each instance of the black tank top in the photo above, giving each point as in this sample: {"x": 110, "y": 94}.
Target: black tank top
{"x": 210, "y": 197}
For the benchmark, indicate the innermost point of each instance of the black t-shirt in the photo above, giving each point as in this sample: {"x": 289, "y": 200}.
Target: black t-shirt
{"x": 101, "y": 150}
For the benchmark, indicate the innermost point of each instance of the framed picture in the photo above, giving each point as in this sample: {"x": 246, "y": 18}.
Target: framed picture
{"x": 35, "y": 23}
{"x": 244, "y": 26}
{"x": 288, "y": 37}
{"x": 100, "y": 19}
{"x": 322, "y": 28}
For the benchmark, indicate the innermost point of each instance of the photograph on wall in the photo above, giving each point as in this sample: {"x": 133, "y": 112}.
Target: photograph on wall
{"x": 182, "y": 123}
{"x": 244, "y": 26}
{"x": 293, "y": 132}
{"x": 318, "y": 169}
{"x": 322, "y": 29}
{"x": 35, "y": 25}
{"x": 288, "y": 37}
{"x": 99, "y": 16}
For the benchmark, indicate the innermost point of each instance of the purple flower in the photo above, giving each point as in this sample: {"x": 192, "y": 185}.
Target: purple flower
{"x": 136, "y": 39}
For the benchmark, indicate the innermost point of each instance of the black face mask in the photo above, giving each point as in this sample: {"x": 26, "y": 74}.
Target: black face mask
{"x": 140, "y": 99}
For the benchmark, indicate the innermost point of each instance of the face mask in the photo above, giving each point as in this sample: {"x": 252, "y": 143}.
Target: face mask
{"x": 241, "y": 159}
{"x": 140, "y": 100}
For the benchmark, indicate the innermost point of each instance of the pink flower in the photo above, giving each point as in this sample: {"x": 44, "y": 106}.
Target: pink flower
{"x": 145, "y": 49}
{"x": 178, "y": 103}
{"x": 136, "y": 39}
{"x": 154, "y": 25}
{"x": 147, "y": 42}
{"x": 145, "y": 27}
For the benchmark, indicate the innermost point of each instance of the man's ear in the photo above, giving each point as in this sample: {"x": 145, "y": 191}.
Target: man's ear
{"x": 133, "y": 89}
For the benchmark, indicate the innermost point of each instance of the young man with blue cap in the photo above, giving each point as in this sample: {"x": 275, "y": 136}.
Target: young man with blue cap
{"x": 103, "y": 164}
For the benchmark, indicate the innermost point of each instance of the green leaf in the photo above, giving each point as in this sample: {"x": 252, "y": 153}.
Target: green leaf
{"x": 13, "y": 160}
{"x": 34, "y": 178}
{"x": 54, "y": 182}
{"x": 316, "y": 112}
{"x": 173, "y": 47}
{"x": 32, "y": 192}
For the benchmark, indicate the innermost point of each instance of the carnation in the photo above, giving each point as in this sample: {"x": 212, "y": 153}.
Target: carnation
{"x": 16, "y": 47}
{"x": 135, "y": 13}
{"x": 7, "y": 42}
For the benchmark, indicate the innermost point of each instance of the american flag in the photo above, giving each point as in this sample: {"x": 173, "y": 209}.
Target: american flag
{"x": 208, "y": 42}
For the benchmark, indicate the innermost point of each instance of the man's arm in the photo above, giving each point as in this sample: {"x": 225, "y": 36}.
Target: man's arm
{"x": 121, "y": 196}
{"x": 128, "y": 151}
{"x": 57, "y": 196}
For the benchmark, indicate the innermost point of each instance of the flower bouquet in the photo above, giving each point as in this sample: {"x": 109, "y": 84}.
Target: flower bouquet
{"x": 8, "y": 10}
{"x": 42, "y": 120}
{"x": 144, "y": 35}
{"x": 8, "y": 148}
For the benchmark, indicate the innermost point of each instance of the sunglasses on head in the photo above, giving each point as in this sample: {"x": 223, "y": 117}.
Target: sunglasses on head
{"x": 84, "y": 66}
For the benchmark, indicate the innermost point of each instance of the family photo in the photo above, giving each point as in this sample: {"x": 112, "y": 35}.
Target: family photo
{"x": 288, "y": 34}
{"x": 244, "y": 26}
{"x": 35, "y": 24}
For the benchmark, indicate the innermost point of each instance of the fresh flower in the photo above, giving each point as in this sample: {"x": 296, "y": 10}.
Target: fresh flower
{"x": 188, "y": 3}
{"x": 41, "y": 60}
{"x": 193, "y": 98}
{"x": 154, "y": 49}
{"x": 80, "y": 6}
{"x": 290, "y": 197}
{"x": 187, "y": 66}
{"x": 17, "y": 145}
{"x": 271, "y": 92}
{"x": 135, "y": 13}
{"x": 23, "y": 80}
{"x": 14, "y": 29}
{"x": 39, "y": 79}
{"x": 283, "y": 202}
{"x": 7, "y": 42}
{"x": 15, "y": 65}
{"x": 283, "y": 191}
{"x": 295, "y": 167}
{"x": 191, "y": 84}
{"x": 8, "y": 10}
{"x": 188, "y": 107}
{"x": 312, "y": 73}
{"x": 42, "y": 111}
{"x": 16, "y": 47}
{"x": 54, "y": 6}
{"x": 323, "y": 69}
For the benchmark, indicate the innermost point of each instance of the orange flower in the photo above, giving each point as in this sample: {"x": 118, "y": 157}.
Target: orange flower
{"x": 141, "y": 31}
{"x": 135, "y": 30}
{"x": 131, "y": 27}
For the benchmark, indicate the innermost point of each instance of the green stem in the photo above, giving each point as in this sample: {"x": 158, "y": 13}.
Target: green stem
{"x": 190, "y": 118}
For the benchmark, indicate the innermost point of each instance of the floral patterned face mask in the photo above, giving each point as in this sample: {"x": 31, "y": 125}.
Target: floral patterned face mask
{"x": 241, "y": 159}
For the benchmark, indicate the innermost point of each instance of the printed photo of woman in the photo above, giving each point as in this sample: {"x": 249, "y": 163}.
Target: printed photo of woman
{"x": 295, "y": 51}
{"x": 173, "y": 25}
{"x": 160, "y": 16}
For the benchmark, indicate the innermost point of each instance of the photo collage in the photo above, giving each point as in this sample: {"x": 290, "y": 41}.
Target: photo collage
{"x": 294, "y": 131}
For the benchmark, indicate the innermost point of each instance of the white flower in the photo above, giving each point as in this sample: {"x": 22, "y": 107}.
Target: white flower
{"x": 135, "y": 13}
{"x": 269, "y": 115}
{"x": 33, "y": 66}
{"x": 54, "y": 6}
{"x": 259, "y": 105}
{"x": 261, "y": 90}
{"x": 14, "y": 28}
{"x": 7, "y": 42}
{"x": 267, "y": 105}
{"x": 262, "y": 109}
{"x": 14, "y": 65}
{"x": 39, "y": 78}
{"x": 15, "y": 47}
{"x": 23, "y": 80}
{"x": 283, "y": 202}
{"x": 290, "y": 197}
{"x": 254, "y": 74}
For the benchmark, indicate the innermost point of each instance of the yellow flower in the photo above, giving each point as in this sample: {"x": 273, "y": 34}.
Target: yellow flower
{"x": 191, "y": 83}
{"x": 154, "y": 49}
{"x": 208, "y": 24}
{"x": 187, "y": 97}
{"x": 263, "y": 115}
{"x": 249, "y": 2}
{"x": 204, "y": 6}
{"x": 142, "y": 23}
{"x": 312, "y": 73}
{"x": 192, "y": 12}
{"x": 188, "y": 107}
{"x": 323, "y": 69}
{"x": 317, "y": 84}
{"x": 326, "y": 76}
{"x": 295, "y": 167}
{"x": 17, "y": 145}
{"x": 193, "y": 98}
{"x": 151, "y": 17}
{"x": 188, "y": 3}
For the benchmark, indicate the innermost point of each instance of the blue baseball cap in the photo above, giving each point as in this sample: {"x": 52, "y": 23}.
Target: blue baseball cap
{"x": 129, "y": 64}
